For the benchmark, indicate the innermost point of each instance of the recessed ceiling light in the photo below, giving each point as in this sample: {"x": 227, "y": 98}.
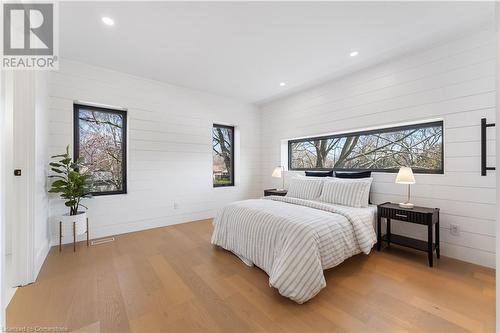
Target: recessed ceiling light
{"x": 354, "y": 53}
{"x": 282, "y": 84}
{"x": 108, "y": 20}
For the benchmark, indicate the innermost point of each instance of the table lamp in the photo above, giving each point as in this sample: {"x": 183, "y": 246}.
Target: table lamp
{"x": 278, "y": 173}
{"x": 405, "y": 176}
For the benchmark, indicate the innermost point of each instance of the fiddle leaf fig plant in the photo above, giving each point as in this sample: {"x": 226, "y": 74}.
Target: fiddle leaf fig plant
{"x": 72, "y": 185}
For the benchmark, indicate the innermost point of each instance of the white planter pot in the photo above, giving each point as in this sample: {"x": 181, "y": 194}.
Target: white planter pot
{"x": 67, "y": 224}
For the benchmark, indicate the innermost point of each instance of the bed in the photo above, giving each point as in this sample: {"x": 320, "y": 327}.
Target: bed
{"x": 294, "y": 239}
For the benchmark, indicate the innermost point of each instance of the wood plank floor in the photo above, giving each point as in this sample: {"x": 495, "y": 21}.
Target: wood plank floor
{"x": 173, "y": 279}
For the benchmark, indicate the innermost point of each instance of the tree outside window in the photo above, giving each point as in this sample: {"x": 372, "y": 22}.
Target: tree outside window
{"x": 418, "y": 146}
{"x": 223, "y": 155}
{"x": 100, "y": 142}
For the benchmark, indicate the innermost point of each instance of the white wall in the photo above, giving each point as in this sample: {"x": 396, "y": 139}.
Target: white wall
{"x": 454, "y": 81}
{"x": 497, "y": 37}
{"x": 8, "y": 159}
{"x": 28, "y": 204}
{"x": 169, "y": 148}
{"x": 3, "y": 220}
{"x": 41, "y": 200}
{"x": 23, "y": 200}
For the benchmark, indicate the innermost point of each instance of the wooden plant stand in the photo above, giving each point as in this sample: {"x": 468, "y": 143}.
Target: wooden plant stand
{"x": 74, "y": 235}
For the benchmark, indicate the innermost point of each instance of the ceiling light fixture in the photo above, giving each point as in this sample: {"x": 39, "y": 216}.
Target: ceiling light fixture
{"x": 354, "y": 53}
{"x": 108, "y": 21}
{"x": 282, "y": 84}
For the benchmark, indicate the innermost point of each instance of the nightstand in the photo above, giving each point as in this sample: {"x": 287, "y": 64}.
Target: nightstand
{"x": 418, "y": 215}
{"x": 274, "y": 191}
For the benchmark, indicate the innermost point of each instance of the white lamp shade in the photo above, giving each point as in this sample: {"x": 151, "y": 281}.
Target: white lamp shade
{"x": 405, "y": 176}
{"x": 277, "y": 172}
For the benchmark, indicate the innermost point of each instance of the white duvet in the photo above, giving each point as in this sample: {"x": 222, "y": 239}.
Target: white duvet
{"x": 294, "y": 240}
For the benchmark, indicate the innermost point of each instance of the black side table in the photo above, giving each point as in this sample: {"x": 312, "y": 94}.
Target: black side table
{"x": 275, "y": 192}
{"x": 419, "y": 215}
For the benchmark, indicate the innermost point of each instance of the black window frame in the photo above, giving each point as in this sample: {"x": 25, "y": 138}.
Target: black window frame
{"x": 76, "y": 141}
{"x": 378, "y": 131}
{"x": 232, "y": 154}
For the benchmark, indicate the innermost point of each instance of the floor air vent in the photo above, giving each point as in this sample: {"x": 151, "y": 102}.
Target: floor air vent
{"x": 102, "y": 241}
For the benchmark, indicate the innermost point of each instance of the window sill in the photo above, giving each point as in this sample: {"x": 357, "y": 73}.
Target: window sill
{"x": 97, "y": 195}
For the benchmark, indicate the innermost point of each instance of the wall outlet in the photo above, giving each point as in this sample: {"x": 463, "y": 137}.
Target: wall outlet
{"x": 454, "y": 230}
{"x": 176, "y": 205}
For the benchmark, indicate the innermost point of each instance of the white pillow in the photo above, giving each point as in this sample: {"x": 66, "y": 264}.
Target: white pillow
{"x": 313, "y": 177}
{"x": 303, "y": 188}
{"x": 347, "y": 192}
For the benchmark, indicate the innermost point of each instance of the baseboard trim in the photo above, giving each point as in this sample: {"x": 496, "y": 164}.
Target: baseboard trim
{"x": 40, "y": 258}
{"x": 118, "y": 229}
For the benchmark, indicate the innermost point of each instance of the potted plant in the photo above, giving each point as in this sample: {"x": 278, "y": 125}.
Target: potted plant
{"x": 73, "y": 186}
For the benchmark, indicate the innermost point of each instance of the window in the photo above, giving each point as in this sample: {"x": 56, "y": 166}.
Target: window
{"x": 100, "y": 140}
{"x": 419, "y": 146}
{"x": 223, "y": 155}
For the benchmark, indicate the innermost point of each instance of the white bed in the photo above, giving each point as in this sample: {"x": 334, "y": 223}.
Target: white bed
{"x": 293, "y": 240}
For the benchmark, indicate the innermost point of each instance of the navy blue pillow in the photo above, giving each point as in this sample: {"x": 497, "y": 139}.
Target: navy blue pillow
{"x": 352, "y": 175}
{"x": 319, "y": 173}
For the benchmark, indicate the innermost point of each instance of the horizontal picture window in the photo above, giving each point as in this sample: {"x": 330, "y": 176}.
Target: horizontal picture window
{"x": 419, "y": 146}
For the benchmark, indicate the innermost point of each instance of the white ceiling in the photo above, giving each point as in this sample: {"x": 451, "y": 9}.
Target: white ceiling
{"x": 244, "y": 50}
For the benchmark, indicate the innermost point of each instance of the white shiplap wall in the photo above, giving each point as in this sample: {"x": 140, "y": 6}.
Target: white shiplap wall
{"x": 169, "y": 148}
{"x": 453, "y": 81}
{"x": 41, "y": 199}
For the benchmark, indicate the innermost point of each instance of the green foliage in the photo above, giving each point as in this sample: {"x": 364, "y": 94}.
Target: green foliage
{"x": 222, "y": 181}
{"x": 71, "y": 185}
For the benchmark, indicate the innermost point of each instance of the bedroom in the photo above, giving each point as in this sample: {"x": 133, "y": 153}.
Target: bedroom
{"x": 204, "y": 112}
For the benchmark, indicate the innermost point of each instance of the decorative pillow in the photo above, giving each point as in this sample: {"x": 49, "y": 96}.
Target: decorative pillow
{"x": 347, "y": 192}
{"x": 357, "y": 174}
{"x": 319, "y": 173}
{"x": 310, "y": 177}
{"x": 304, "y": 188}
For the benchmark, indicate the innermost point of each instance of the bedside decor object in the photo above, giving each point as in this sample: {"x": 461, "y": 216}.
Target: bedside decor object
{"x": 418, "y": 215}
{"x": 72, "y": 187}
{"x": 278, "y": 172}
{"x": 405, "y": 176}
{"x": 275, "y": 191}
